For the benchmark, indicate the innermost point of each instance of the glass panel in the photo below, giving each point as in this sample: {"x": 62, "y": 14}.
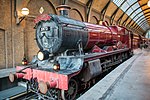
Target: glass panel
{"x": 141, "y": 14}
{"x": 136, "y": 18}
{"x": 135, "y": 6}
{"x": 139, "y": 11}
{"x": 134, "y": 14}
{"x": 126, "y": 5}
{"x": 129, "y": 11}
{"x": 118, "y": 2}
{"x": 148, "y": 34}
{"x": 131, "y": 1}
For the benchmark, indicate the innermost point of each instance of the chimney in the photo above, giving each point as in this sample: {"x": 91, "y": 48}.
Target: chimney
{"x": 63, "y": 10}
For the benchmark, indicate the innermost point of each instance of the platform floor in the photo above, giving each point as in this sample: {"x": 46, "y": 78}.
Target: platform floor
{"x": 129, "y": 81}
{"x": 5, "y": 72}
{"x": 135, "y": 85}
{"x": 6, "y": 94}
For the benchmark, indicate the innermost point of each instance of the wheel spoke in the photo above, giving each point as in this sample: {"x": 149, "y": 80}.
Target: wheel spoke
{"x": 71, "y": 92}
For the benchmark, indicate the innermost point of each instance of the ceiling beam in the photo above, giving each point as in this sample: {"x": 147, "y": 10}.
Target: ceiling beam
{"x": 143, "y": 33}
{"x": 125, "y": 21}
{"x": 112, "y": 17}
{"x": 140, "y": 17}
{"x": 139, "y": 13}
{"x": 88, "y": 9}
{"x": 138, "y": 26}
{"x": 103, "y": 12}
{"x": 120, "y": 18}
{"x": 143, "y": 22}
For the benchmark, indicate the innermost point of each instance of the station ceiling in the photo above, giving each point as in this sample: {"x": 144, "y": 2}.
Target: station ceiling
{"x": 133, "y": 14}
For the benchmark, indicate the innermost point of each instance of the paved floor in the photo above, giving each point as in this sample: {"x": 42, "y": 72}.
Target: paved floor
{"x": 135, "y": 85}
{"x": 6, "y": 94}
{"x": 104, "y": 87}
{"x": 5, "y": 72}
{"x": 130, "y": 81}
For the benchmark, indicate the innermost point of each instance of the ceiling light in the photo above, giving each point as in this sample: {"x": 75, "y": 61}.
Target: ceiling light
{"x": 148, "y": 3}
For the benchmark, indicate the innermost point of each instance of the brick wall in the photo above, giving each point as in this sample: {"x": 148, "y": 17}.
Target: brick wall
{"x": 5, "y": 34}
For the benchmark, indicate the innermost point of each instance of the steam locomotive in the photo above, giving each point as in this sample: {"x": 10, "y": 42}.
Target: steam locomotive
{"x": 72, "y": 54}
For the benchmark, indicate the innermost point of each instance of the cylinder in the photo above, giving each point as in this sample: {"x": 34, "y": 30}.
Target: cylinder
{"x": 63, "y": 10}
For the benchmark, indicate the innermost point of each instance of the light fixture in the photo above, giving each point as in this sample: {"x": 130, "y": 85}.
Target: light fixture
{"x": 41, "y": 10}
{"x": 43, "y": 55}
{"x": 24, "y": 61}
{"x": 148, "y": 3}
{"x": 24, "y": 12}
{"x": 101, "y": 22}
{"x": 56, "y": 66}
{"x": 40, "y": 55}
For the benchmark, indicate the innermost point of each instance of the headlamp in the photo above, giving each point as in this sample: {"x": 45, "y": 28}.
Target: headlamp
{"x": 40, "y": 55}
{"x": 43, "y": 55}
{"x": 56, "y": 66}
{"x": 24, "y": 61}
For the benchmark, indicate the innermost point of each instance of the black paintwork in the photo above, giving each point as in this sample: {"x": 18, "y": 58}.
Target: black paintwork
{"x": 60, "y": 33}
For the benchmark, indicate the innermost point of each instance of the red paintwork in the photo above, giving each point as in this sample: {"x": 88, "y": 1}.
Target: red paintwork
{"x": 43, "y": 17}
{"x": 62, "y": 80}
{"x": 106, "y": 35}
{"x": 97, "y": 49}
{"x": 20, "y": 75}
{"x": 28, "y": 72}
{"x": 109, "y": 48}
{"x": 98, "y": 35}
{"x": 53, "y": 84}
{"x": 106, "y": 54}
{"x": 137, "y": 40}
{"x": 54, "y": 79}
{"x": 120, "y": 34}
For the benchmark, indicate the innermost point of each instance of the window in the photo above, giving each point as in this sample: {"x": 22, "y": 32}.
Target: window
{"x": 133, "y": 16}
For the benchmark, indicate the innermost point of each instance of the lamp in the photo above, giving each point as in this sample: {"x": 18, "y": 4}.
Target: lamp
{"x": 101, "y": 22}
{"x": 24, "y": 12}
{"x": 148, "y": 3}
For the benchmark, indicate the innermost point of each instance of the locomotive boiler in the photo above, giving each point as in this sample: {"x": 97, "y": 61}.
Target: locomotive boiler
{"x": 59, "y": 34}
{"x": 72, "y": 54}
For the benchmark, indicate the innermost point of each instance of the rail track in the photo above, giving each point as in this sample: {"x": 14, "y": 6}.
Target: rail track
{"x": 23, "y": 96}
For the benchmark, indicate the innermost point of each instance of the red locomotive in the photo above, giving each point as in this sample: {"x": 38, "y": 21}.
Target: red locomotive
{"x": 72, "y": 54}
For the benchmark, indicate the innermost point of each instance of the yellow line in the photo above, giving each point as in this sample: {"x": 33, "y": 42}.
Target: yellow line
{"x": 18, "y": 95}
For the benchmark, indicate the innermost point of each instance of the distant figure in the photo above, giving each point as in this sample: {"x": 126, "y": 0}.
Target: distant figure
{"x": 141, "y": 46}
{"x": 149, "y": 45}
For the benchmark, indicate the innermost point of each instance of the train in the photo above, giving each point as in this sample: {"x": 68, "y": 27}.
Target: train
{"x": 139, "y": 41}
{"x": 71, "y": 55}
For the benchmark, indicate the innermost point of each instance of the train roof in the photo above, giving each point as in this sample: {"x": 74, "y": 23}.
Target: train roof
{"x": 67, "y": 21}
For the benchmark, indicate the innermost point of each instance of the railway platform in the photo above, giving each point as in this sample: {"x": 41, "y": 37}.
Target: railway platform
{"x": 4, "y": 80}
{"x": 129, "y": 81}
{"x": 5, "y": 72}
{"x": 11, "y": 93}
